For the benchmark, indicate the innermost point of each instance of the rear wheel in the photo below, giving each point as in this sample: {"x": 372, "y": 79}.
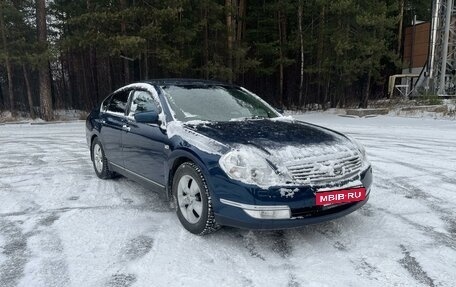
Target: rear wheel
{"x": 100, "y": 163}
{"x": 194, "y": 206}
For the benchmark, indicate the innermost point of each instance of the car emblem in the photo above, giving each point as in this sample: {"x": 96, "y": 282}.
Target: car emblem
{"x": 338, "y": 171}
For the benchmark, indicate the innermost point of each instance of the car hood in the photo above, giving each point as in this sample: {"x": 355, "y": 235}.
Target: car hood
{"x": 268, "y": 135}
{"x": 301, "y": 152}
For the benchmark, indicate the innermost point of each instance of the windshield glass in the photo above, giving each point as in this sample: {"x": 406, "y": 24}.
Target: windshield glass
{"x": 215, "y": 103}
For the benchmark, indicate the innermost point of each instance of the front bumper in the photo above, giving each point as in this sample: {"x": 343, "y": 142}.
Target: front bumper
{"x": 242, "y": 220}
{"x": 301, "y": 204}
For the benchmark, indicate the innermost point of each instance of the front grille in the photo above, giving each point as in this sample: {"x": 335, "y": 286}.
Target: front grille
{"x": 326, "y": 168}
{"x": 316, "y": 211}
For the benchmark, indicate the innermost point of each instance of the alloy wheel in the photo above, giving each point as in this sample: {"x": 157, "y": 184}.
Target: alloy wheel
{"x": 189, "y": 199}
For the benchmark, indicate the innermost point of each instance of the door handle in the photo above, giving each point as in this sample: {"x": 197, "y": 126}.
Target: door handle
{"x": 103, "y": 121}
{"x": 126, "y": 128}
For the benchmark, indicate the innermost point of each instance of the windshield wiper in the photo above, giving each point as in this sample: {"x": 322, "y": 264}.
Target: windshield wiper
{"x": 248, "y": 118}
{"x": 257, "y": 117}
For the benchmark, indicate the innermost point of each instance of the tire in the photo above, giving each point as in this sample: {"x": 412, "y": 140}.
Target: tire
{"x": 194, "y": 206}
{"x": 100, "y": 163}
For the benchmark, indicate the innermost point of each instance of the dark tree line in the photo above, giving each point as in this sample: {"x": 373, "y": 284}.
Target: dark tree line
{"x": 294, "y": 53}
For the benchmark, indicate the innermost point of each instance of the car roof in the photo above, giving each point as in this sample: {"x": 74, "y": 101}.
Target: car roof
{"x": 185, "y": 81}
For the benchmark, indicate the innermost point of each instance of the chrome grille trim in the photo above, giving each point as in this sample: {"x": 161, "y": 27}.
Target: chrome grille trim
{"x": 327, "y": 167}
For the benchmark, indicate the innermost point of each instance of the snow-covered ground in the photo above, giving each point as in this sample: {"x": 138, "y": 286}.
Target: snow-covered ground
{"x": 62, "y": 226}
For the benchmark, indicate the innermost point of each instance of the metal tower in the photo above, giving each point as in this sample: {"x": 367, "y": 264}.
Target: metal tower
{"x": 439, "y": 74}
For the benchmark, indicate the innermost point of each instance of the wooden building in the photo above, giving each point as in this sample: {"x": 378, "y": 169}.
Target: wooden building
{"x": 416, "y": 48}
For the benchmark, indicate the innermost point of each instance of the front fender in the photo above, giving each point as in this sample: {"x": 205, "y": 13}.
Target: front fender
{"x": 205, "y": 161}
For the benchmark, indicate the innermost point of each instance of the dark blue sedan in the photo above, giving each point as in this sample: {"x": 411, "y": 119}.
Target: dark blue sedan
{"x": 226, "y": 157}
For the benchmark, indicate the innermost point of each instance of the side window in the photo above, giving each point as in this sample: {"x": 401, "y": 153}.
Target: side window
{"x": 118, "y": 103}
{"x": 105, "y": 103}
{"x": 142, "y": 102}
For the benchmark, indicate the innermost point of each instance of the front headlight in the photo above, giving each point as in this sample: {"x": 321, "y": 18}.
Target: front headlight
{"x": 362, "y": 152}
{"x": 247, "y": 165}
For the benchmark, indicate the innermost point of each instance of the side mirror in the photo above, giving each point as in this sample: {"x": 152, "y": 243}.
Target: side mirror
{"x": 279, "y": 110}
{"x": 147, "y": 117}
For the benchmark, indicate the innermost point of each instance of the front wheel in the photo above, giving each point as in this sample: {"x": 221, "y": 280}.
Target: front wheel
{"x": 194, "y": 207}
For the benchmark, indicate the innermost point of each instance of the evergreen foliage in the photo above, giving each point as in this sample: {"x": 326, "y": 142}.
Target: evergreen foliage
{"x": 293, "y": 53}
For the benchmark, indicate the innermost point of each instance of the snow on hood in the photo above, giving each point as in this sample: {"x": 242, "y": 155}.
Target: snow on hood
{"x": 200, "y": 141}
{"x": 286, "y": 136}
{"x": 283, "y": 142}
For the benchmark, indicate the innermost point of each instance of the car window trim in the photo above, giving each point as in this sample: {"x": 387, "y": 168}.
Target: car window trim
{"x": 124, "y": 115}
{"x": 107, "y": 100}
{"x": 155, "y": 92}
{"x": 132, "y": 92}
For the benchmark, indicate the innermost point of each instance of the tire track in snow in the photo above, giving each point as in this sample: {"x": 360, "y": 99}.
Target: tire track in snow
{"x": 442, "y": 177}
{"x": 414, "y": 268}
{"x": 251, "y": 243}
{"x": 364, "y": 268}
{"x": 48, "y": 255}
{"x": 435, "y": 203}
{"x": 16, "y": 252}
{"x": 284, "y": 249}
{"x": 333, "y": 233}
{"x": 280, "y": 244}
{"x": 439, "y": 237}
{"x": 137, "y": 247}
{"x": 33, "y": 212}
{"x": 121, "y": 280}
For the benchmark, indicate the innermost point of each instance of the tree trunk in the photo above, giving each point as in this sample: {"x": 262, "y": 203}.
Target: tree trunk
{"x": 2, "y": 100}
{"x": 327, "y": 86}
{"x": 73, "y": 79}
{"x": 66, "y": 91}
{"x": 86, "y": 99}
{"x": 367, "y": 90}
{"x": 123, "y": 30}
{"x": 301, "y": 47}
{"x": 401, "y": 23}
{"x": 45, "y": 79}
{"x": 146, "y": 64}
{"x": 111, "y": 74}
{"x": 282, "y": 39}
{"x": 94, "y": 74}
{"x": 280, "y": 99}
{"x": 9, "y": 69}
{"x": 93, "y": 66}
{"x": 229, "y": 38}
{"x": 29, "y": 91}
{"x": 241, "y": 10}
{"x": 320, "y": 50}
{"x": 206, "y": 44}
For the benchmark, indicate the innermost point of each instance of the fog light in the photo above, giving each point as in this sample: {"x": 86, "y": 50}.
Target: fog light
{"x": 269, "y": 214}
{"x": 262, "y": 211}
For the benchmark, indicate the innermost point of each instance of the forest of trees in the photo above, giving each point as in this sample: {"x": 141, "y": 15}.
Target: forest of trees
{"x": 64, "y": 54}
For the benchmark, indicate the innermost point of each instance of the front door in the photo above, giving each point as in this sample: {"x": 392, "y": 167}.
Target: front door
{"x": 144, "y": 144}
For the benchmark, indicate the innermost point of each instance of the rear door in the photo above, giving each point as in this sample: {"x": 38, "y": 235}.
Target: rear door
{"x": 144, "y": 144}
{"x": 113, "y": 120}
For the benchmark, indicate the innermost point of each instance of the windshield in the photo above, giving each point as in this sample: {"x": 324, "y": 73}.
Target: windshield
{"x": 215, "y": 103}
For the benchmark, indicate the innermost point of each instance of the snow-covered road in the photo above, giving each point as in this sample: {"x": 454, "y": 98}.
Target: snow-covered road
{"x": 62, "y": 226}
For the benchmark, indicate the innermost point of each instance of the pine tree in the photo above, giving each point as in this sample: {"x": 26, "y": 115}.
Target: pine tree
{"x": 45, "y": 78}
{"x": 6, "y": 56}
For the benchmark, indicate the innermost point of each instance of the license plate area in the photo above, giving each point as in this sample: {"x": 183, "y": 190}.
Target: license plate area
{"x": 328, "y": 197}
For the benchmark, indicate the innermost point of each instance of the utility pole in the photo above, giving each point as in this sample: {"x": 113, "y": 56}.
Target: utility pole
{"x": 435, "y": 77}
{"x": 446, "y": 35}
